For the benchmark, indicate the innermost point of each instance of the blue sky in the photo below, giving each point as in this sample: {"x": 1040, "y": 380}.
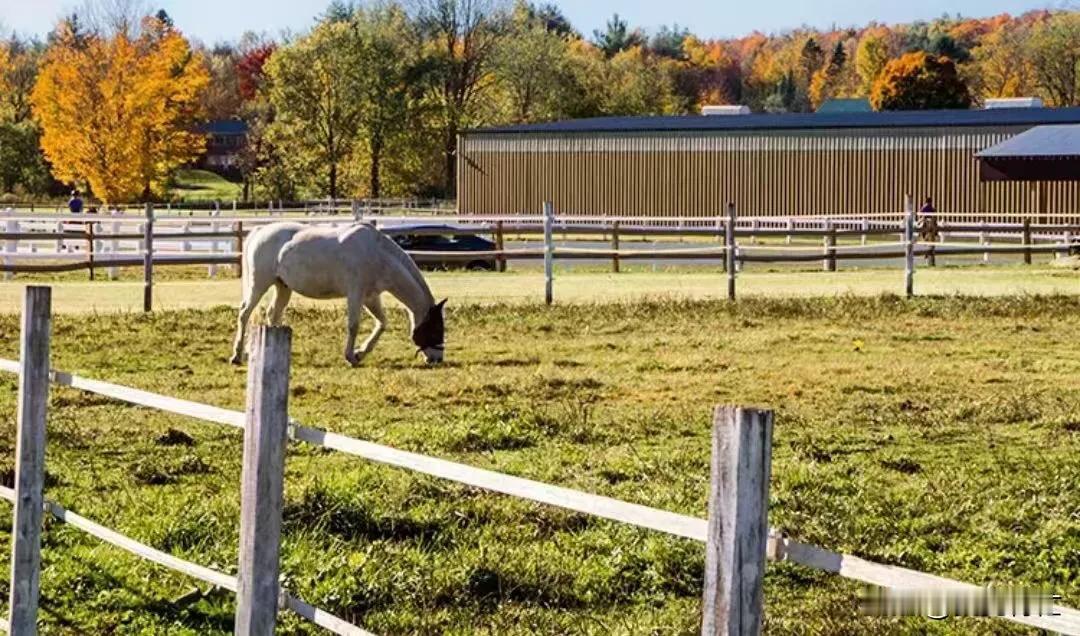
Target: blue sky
{"x": 214, "y": 20}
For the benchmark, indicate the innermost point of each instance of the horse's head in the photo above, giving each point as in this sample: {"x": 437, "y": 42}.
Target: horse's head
{"x": 430, "y": 336}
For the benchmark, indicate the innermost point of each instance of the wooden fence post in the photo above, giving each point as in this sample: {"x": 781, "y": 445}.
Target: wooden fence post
{"x": 148, "y": 259}
{"x": 500, "y": 245}
{"x": 90, "y": 247}
{"x": 984, "y": 240}
{"x": 10, "y": 246}
{"x": 729, "y": 242}
{"x": 829, "y": 264}
{"x": 1027, "y": 240}
{"x": 790, "y": 231}
{"x": 211, "y": 271}
{"x": 1066, "y": 240}
{"x": 240, "y": 249}
{"x": 30, "y": 457}
{"x": 615, "y": 247}
{"x": 738, "y": 531}
{"x": 909, "y": 246}
{"x": 721, "y": 233}
{"x": 262, "y": 481}
{"x": 549, "y": 252}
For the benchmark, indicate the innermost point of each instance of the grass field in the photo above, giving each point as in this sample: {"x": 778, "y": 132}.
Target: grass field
{"x": 187, "y": 288}
{"x": 202, "y": 185}
{"x": 938, "y": 434}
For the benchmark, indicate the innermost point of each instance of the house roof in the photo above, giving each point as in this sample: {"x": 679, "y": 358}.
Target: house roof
{"x": 224, "y": 127}
{"x": 801, "y": 121}
{"x": 846, "y": 105}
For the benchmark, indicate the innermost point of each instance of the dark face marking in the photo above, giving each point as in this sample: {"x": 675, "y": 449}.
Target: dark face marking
{"x": 430, "y": 332}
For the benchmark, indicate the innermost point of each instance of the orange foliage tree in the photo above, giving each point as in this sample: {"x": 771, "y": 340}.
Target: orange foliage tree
{"x": 918, "y": 81}
{"x": 119, "y": 113}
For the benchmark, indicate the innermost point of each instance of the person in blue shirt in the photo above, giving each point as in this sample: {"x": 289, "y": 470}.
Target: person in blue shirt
{"x": 75, "y": 203}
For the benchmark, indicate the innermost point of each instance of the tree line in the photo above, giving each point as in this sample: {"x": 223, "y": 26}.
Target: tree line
{"x": 370, "y": 100}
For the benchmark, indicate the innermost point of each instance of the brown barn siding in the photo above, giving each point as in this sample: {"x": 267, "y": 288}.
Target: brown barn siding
{"x": 766, "y": 173}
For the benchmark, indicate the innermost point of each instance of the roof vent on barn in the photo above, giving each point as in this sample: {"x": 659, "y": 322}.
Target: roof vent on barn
{"x": 1013, "y": 102}
{"x": 727, "y": 109}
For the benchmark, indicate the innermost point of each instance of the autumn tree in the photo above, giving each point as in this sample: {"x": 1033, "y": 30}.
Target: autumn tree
{"x": 1054, "y": 48}
{"x": 827, "y": 82}
{"x": 316, "y": 94}
{"x": 461, "y": 40}
{"x": 637, "y": 85}
{"x": 531, "y": 65}
{"x": 118, "y": 112}
{"x": 712, "y": 73}
{"x": 918, "y": 81}
{"x": 871, "y": 56}
{"x": 387, "y": 66}
{"x": 222, "y": 98}
{"x": 1000, "y": 64}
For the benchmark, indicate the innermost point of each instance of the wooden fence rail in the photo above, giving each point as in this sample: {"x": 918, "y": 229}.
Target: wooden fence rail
{"x": 735, "y": 532}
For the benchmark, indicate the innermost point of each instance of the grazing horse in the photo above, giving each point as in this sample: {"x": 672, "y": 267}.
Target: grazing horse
{"x": 357, "y": 263}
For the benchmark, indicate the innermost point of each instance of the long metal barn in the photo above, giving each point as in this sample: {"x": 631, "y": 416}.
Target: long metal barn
{"x": 768, "y": 165}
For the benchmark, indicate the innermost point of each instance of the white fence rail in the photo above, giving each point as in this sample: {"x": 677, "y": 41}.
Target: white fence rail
{"x": 739, "y": 488}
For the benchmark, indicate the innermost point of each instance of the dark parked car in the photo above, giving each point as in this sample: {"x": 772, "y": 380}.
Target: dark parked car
{"x": 453, "y": 240}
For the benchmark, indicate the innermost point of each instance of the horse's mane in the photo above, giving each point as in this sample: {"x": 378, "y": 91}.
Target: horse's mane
{"x": 402, "y": 258}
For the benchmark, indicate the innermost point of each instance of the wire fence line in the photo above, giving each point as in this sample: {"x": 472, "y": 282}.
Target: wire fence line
{"x": 742, "y": 440}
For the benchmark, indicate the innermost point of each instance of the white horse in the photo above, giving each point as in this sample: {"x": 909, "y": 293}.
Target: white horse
{"x": 357, "y": 263}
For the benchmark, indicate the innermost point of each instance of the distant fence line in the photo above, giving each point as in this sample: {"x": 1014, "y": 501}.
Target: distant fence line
{"x": 736, "y": 532}
{"x": 63, "y": 243}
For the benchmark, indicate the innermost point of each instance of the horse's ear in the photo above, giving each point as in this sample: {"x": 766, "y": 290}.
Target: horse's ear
{"x": 442, "y": 303}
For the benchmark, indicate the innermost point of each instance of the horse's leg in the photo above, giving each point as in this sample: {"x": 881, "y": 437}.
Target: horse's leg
{"x": 353, "y": 317}
{"x": 375, "y": 309}
{"x": 282, "y": 294}
{"x": 251, "y": 301}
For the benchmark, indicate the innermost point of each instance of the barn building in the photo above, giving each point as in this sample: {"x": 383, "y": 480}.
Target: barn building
{"x": 853, "y": 163}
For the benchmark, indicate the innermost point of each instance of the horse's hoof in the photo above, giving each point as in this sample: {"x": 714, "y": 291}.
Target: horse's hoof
{"x": 353, "y": 361}
{"x": 235, "y": 360}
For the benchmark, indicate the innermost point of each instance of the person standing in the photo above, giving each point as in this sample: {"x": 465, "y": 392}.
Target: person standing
{"x": 75, "y": 203}
{"x": 928, "y": 228}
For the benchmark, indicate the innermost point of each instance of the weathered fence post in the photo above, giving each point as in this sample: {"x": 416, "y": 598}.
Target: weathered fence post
{"x": 790, "y": 230}
{"x": 909, "y": 246}
{"x": 114, "y": 247}
{"x": 90, "y": 247}
{"x": 738, "y": 531}
{"x": 984, "y": 239}
{"x": 500, "y": 245}
{"x": 262, "y": 481}
{"x": 148, "y": 259}
{"x": 829, "y": 265}
{"x": 1027, "y": 240}
{"x": 865, "y": 230}
{"x": 549, "y": 252}
{"x": 11, "y": 226}
{"x": 615, "y": 247}
{"x": 729, "y": 242}
{"x": 30, "y": 460}
{"x": 1066, "y": 240}
{"x": 721, "y": 234}
{"x": 211, "y": 271}
{"x": 240, "y": 249}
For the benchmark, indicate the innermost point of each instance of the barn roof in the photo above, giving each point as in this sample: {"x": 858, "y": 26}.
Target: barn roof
{"x": 801, "y": 121}
{"x": 1043, "y": 153}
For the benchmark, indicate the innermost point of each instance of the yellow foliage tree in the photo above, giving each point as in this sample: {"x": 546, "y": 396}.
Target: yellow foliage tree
{"x": 119, "y": 113}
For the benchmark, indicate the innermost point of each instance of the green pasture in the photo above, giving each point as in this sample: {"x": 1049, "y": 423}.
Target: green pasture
{"x": 190, "y": 288}
{"x": 940, "y": 434}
